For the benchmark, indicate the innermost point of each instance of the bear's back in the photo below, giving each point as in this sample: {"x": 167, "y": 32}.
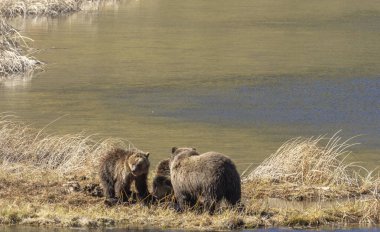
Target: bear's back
{"x": 115, "y": 155}
{"x": 203, "y": 166}
{"x": 209, "y": 160}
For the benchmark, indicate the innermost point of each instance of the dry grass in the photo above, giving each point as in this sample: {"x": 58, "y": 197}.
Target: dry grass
{"x": 13, "y": 8}
{"x": 304, "y": 168}
{"x": 12, "y": 50}
{"x": 14, "y": 60}
{"x": 304, "y": 161}
{"x": 45, "y": 180}
{"x": 22, "y": 146}
{"x": 44, "y": 200}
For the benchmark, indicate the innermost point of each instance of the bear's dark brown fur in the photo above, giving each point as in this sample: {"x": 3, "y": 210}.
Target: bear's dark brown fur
{"x": 162, "y": 185}
{"x": 119, "y": 168}
{"x": 203, "y": 179}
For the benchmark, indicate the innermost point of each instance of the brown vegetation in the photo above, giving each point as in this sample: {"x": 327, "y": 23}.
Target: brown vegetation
{"x": 13, "y": 46}
{"x": 13, "y": 8}
{"x": 306, "y": 168}
{"x": 14, "y": 49}
{"x": 51, "y": 180}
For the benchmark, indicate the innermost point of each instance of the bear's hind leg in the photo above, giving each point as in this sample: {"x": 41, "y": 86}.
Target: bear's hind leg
{"x": 109, "y": 189}
{"x": 209, "y": 203}
{"x": 233, "y": 197}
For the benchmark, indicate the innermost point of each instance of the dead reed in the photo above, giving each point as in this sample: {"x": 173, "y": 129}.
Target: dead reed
{"x": 52, "y": 8}
{"x": 13, "y": 46}
{"x": 14, "y": 57}
{"x": 12, "y": 8}
{"x": 309, "y": 168}
{"x": 24, "y": 146}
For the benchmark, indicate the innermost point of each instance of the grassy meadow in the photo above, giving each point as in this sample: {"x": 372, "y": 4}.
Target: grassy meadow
{"x": 51, "y": 180}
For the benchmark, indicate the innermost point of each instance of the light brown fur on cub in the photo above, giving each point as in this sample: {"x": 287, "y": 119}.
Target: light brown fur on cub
{"x": 119, "y": 168}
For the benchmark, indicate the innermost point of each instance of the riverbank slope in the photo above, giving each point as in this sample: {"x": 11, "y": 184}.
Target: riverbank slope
{"x": 52, "y": 180}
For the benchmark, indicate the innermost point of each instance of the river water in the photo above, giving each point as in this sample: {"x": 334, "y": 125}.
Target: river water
{"x": 239, "y": 77}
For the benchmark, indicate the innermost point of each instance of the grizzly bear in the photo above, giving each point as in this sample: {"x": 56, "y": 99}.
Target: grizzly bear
{"x": 119, "y": 168}
{"x": 203, "y": 179}
{"x": 162, "y": 185}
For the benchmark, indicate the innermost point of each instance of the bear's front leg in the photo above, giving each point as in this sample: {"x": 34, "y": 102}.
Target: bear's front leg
{"x": 123, "y": 190}
{"x": 142, "y": 187}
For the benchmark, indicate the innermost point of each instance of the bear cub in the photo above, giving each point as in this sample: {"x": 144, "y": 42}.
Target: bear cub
{"x": 203, "y": 179}
{"x": 118, "y": 169}
{"x": 162, "y": 185}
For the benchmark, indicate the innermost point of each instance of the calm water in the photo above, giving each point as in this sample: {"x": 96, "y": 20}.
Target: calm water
{"x": 239, "y": 77}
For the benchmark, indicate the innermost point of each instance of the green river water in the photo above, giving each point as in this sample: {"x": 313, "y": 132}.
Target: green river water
{"x": 239, "y": 77}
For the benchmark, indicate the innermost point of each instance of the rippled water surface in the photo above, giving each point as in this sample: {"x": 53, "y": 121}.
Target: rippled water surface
{"x": 239, "y": 77}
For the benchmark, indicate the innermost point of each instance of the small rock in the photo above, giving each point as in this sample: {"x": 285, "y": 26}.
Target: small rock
{"x": 106, "y": 221}
{"x": 72, "y": 186}
{"x": 94, "y": 190}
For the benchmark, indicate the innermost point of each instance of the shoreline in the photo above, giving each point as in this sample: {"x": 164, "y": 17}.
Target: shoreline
{"x": 52, "y": 180}
{"x": 48, "y": 8}
{"x": 15, "y": 58}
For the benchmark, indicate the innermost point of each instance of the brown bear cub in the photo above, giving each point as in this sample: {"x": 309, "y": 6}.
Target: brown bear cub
{"x": 162, "y": 185}
{"x": 118, "y": 169}
{"x": 203, "y": 179}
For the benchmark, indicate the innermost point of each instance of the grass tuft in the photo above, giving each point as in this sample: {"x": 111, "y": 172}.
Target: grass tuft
{"x": 305, "y": 168}
{"x": 14, "y": 58}
{"x": 26, "y": 149}
{"x": 13, "y": 46}
{"x": 51, "y": 8}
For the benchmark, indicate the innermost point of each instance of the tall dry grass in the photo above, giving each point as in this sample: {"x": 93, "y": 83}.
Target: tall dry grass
{"x": 312, "y": 166}
{"x": 307, "y": 161}
{"x": 14, "y": 60}
{"x": 24, "y": 148}
{"x": 13, "y": 46}
{"x": 13, "y": 8}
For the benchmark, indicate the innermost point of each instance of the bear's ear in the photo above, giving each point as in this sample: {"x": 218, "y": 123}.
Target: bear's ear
{"x": 194, "y": 149}
{"x": 147, "y": 154}
{"x": 174, "y": 149}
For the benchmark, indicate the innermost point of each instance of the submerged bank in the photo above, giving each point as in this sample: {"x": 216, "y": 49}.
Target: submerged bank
{"x": 52, "y": 180}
